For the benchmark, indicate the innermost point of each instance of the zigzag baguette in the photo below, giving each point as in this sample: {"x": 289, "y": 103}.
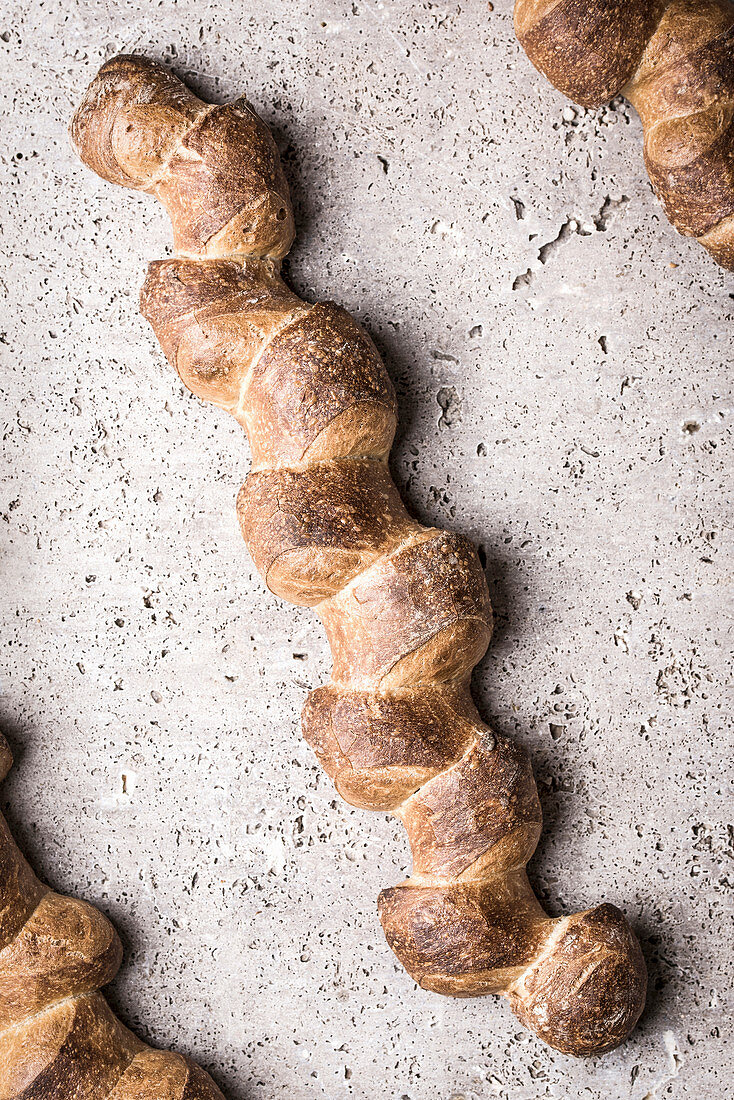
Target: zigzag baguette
{"x": 405, "y": 608}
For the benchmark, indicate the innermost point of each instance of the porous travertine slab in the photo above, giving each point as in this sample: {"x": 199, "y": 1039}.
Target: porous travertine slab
{"x": 560, "y": 357}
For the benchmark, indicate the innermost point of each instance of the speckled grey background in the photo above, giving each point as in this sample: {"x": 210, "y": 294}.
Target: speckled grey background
{"x": 560, "y": 359}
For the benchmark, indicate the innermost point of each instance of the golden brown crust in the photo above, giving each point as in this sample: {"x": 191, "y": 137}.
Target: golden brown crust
{"x": 21, "y": 891}
{"x": 418, "y": 615}
{"x": 588, "y": 49}
{"x": 211, "y": 318}
{"x": 305, "y": 384}
{"x": 379, "y": 749}
{"x": 304, "y": 381}
{"x": 496, "y": 928}
{"x": 310, "y": 531}
{"x": 159, "y": 1075}
{"x": 720, "y": 242}
{"x": 106, "y": 124}
{"x": 477, "y": 819}
{"x": 77, "y": 1048}
{"x": 215, "y": 169}
{"x": 683, "y": 90}
{"x": 674, "y": 61}
{"x": 586, "y": 986}
{"x": 406, "y": 608}
{"x": 214, "y": 194}
{"x": 66, "y": 947}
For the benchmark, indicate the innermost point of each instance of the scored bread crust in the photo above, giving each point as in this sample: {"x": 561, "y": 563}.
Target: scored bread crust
{"x": 674, "y": 61}
{"x": 405, "y": 607}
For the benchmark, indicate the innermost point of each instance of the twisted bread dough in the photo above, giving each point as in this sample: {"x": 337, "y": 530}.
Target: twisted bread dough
{"x": 58, "y": 1037}
{"x": 405, "y": 607}
{"x": 674, "y": 62}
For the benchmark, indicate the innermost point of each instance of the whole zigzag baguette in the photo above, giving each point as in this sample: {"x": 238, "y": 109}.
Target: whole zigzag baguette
{"x": 58, "y": 1038}
{"x": 674, "y": 61}
{"x": 405, "y": 607}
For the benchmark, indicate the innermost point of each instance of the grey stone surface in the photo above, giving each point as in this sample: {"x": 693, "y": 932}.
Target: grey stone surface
{"x": 559, "y": 354}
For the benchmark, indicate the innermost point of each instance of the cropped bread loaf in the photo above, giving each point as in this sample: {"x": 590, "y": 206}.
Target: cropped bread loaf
{"x": 674, "y": 61}
{"x": 405, "y": 607}
{"x": 58, "y": 1037}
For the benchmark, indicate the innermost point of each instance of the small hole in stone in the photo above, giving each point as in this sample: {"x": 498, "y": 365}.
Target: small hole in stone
{"x": 691, "y": 426}
{"x": 281, "y": 215}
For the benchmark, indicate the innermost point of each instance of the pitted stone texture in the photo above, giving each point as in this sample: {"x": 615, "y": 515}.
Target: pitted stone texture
{"x": 563, "y": 402}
